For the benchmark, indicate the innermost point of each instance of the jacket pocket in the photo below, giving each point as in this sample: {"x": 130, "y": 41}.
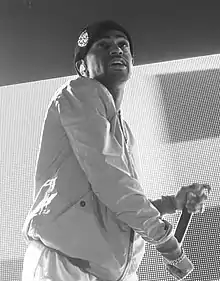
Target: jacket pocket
{"x": 88, "y": 230}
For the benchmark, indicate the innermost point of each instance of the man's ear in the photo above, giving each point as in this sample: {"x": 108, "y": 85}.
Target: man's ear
{"x": 81, "y": 67}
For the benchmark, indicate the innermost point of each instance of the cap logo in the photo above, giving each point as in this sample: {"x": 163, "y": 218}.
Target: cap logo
{"x": 83, "y": 39}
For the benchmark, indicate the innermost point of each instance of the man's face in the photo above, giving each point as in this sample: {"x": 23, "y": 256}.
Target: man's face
{"x": 109, "y": 60}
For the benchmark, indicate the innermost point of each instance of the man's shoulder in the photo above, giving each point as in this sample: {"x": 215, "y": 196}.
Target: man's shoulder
{"x": 89, "y": 92}
{"x": 78, "y": 86}
{"x": 59, "y": 92}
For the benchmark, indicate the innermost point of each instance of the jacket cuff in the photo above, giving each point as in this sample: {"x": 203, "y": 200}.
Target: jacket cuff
{"x": 168, "y": 235}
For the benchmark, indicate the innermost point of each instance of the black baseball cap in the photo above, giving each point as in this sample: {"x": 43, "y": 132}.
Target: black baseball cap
{"x": 93, "y": 32}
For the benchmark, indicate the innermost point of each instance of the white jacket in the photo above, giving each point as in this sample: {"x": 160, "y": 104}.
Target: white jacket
{"x": 88, "y": 202}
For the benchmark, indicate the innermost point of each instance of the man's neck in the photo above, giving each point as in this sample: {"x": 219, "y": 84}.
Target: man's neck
{"x": 117, "y": 92}
{"x": 115, "y": 89}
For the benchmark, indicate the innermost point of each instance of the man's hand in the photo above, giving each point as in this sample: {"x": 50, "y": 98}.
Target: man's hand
{"x": 193, "y": 197}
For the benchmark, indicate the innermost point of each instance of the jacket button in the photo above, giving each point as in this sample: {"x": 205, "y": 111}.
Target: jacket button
{"x": 82, "y": 203}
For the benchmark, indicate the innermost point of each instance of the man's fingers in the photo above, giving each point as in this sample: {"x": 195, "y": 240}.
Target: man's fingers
{"x": 208, "y": 187}
{"x": 201, "y": 187}
{"x": 196, "y": 209}
{"x": 192, "y": 189}
{"x": 195, "y": 198}
{"x": 198, "y": 189}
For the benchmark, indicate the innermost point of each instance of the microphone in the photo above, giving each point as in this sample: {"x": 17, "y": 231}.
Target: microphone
{"x": 183, "y": 225}
{"x": 185, "y": 219}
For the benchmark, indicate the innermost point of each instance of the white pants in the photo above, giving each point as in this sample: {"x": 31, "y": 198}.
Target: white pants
{"x": 44, "y": 264}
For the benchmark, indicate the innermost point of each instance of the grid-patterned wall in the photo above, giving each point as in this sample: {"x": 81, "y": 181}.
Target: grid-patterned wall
{"x": 173, "y": 109}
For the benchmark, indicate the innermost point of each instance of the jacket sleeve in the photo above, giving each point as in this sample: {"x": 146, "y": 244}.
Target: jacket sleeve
{"x": 102, "y": 159}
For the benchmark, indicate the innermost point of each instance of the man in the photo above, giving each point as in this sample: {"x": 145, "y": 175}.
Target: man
{"x": 90, "y": 217}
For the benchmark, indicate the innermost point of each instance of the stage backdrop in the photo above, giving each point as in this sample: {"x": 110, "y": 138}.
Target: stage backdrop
{"x": 174, "y": 111}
